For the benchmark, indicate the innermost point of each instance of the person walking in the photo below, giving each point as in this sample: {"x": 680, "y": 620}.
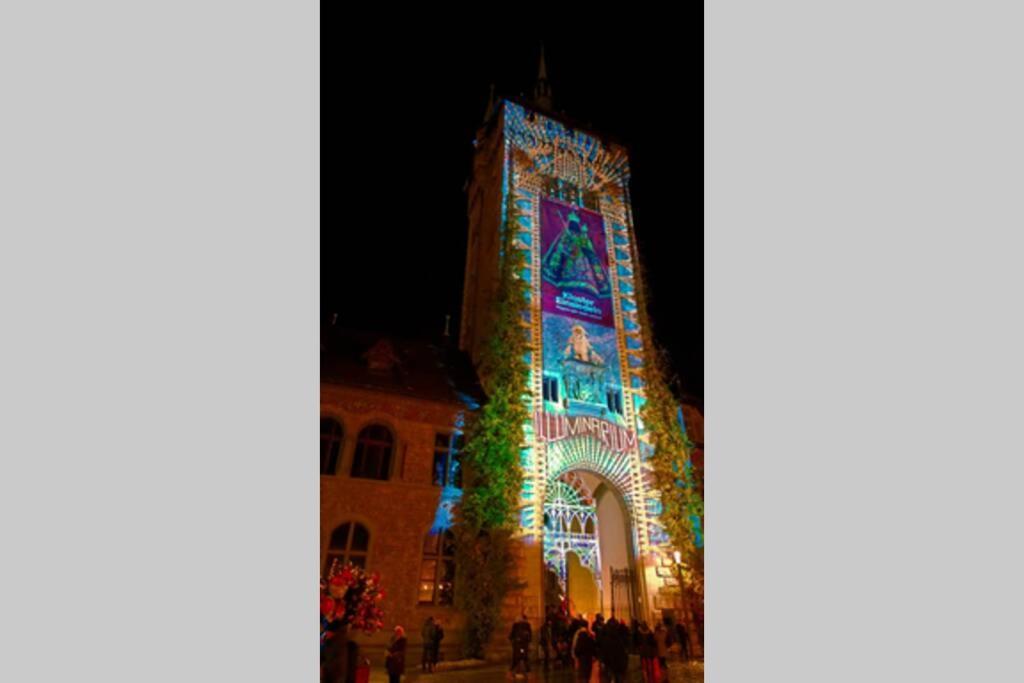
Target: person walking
{"x": 428, "y": 643}
{"x": 395, "y": 663}
{"x": 583, "y": 652}
{"x": 648, "y": 654}
{"x": 614, "y": 650}
{"x": 435, "y": 645}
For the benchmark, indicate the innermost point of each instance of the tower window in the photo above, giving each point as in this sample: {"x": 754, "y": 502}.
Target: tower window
{"x": 372, "y": 458}
{"x": 447, "y": 467}
{"x": 350, "y": 542}
{"x": 330, "y": 445}
{"x": 550, "y": 389}
{"x": 615, "y": 401}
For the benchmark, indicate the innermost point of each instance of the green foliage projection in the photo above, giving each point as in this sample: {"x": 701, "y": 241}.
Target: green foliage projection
{"x": 674, "y": 474}
{"x": 492, "y": 477}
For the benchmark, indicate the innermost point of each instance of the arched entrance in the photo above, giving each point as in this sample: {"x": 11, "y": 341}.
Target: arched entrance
{"x": 589, "y": 545}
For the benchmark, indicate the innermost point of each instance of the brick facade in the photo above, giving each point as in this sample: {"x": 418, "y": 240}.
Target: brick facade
{"x": 398, "y": 512}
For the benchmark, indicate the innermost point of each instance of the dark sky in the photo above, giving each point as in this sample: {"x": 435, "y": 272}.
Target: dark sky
{"x": 393, "y": 231}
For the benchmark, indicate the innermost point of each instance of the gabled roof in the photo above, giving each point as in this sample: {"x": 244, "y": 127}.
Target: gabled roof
{"x": 387, "y": 363}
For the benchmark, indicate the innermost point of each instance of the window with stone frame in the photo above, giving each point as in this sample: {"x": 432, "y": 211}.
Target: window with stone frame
{"x": 372, "y": 458}
{"x": 437, "y": 571}
{"x": 447, "y": 469}
{"x": 350, "y": 542}
{"x": 331, "y": 433}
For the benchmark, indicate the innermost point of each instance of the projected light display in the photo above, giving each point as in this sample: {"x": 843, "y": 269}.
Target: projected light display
{"x": 570, "y": 190}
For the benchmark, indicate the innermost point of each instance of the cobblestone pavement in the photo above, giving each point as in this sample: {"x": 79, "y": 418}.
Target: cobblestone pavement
{"x": 678, "y": 673}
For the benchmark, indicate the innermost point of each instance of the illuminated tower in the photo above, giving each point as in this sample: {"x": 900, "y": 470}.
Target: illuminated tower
{"x": 587, "y": 509}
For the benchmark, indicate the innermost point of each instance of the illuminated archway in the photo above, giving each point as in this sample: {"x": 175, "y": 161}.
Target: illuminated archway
{"x": 587, "y": 520}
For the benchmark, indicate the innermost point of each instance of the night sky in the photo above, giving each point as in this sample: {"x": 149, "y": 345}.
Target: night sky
{"x": 393, "y": 231}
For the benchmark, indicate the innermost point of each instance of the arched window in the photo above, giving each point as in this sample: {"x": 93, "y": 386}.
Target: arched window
{"x": 350, "y": 542}
{"x": 372, "y": 459}
{"x": 447, "y": 468}
{"x": 437, "y": 572}
{"x": 330, "y": 445}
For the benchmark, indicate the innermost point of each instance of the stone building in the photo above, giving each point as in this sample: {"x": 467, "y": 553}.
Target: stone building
{"x": 391, "y": 412}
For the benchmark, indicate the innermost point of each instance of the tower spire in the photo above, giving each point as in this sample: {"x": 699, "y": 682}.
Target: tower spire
{"x": 542, "y": 89}
{"x": 490, "y": 105}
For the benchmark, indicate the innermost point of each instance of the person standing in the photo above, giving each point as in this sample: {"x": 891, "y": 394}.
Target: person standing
{"x": 520, "y": 635}
{"x": 435, "y": 645}
{"x": 333, "y": 654}
{"x": 395, "y": 663}
{"x": 684, "y": 641}
{"x": 661, "y": 642}
{"x": 545, "y": 639}
{"x": 428, "y": 643}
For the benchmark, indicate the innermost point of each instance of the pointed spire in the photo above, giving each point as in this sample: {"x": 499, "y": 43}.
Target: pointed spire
{"x": 542, "y": 89}
{"x": 490, "y": 105}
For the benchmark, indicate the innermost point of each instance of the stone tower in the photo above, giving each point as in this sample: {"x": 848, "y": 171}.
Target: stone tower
{"x": 588, "y": 514}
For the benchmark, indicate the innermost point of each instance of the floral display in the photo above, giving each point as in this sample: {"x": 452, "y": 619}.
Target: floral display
{"x": 351, "y": 598}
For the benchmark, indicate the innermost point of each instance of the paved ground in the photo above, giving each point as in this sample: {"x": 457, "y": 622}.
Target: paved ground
{"x": 678, "y": 673}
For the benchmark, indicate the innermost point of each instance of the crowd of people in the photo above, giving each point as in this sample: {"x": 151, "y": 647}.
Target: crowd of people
{"x": 575, "y": 642}
{"x": 596, "y": 648}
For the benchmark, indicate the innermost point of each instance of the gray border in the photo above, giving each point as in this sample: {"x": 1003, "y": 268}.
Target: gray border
{"x": 862, "y": 201}
{"x": 159, "y": 209}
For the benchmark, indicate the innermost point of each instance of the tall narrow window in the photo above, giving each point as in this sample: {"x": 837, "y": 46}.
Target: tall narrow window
{"x": 447, "y": 467}
{"x": 372, "y": 459}
{"x": 550, "y": 389}
{"x": 437, "y": 571}
{"x": 350, "y": 542}
{"x": 614, "y": 401}
{"x": 330, "y": 445}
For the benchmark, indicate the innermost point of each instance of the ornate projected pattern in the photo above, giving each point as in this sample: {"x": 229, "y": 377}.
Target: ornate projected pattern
{"x": 570, "y": 525}
{"x": 587, "y": 346}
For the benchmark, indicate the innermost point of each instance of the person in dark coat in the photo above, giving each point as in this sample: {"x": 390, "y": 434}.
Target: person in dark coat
{"x": 614, "y": 650}
{"x": 435, "y": 645}
{"x": 648, "y": 653}
{"x": 545, "y": 640}
{"x": 684, "y": 641}
{"x": 427, "y": 632}
{"x": 395, "y": 663}
{"x": 333, "y": 653}
{"x": 521, "y": 635}
{"x": 584, "y": 653}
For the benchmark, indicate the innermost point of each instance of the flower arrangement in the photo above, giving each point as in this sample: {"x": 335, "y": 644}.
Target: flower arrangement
{"x": 351, "y": 597}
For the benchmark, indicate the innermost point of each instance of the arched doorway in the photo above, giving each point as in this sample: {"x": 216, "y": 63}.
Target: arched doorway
{"x": 589, "y": 545}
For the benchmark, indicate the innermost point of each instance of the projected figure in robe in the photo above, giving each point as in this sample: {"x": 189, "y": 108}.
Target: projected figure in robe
{"x": 580, "y": 348}
{"x": 583, "y": 369}
{"x": 572, "y": 261}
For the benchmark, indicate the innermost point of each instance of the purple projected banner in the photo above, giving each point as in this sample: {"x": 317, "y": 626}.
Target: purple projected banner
{"x": 574, "y": 265}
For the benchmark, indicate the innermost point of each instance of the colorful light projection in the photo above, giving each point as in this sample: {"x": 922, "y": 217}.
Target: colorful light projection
{"x": 570, "y": 525}
{"x": 570, "y": 192}
{"x": 574, "y": 267}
